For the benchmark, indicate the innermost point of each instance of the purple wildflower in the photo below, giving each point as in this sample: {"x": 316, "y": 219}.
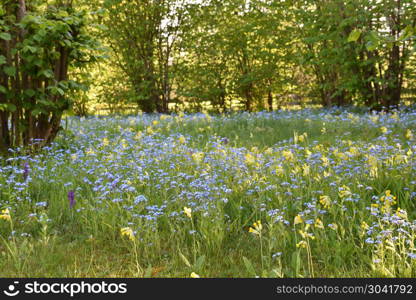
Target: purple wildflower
{"x": 71, "y": 199}
{"x": 25, "y": 171}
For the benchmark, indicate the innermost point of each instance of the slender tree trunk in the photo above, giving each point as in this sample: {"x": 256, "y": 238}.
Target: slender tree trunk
{"x": 270, "y": 100}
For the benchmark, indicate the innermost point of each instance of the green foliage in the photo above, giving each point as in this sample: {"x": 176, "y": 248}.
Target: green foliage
{"x": 46, "y": 43}
{"x": 358, "y": 50}
{"x": 254, "y": 55}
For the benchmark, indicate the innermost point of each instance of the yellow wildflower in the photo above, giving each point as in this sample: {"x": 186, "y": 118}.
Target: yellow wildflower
{"x": 306, "y": 235}
{"x": 128, "y": 232}
{"x": 90, "y": 151}
{"x": 395, "y": 116}
{"x": 301, "y": 244}
{"x": 319, "y": 224}
{"x": 182, "y": 139}
{"x": 257, "y": 228}
{"x": 124, "y": 144}
{"x": 388, "y": 198}
{"x": 344, "y": 192}
{"x": 298, "y": 220}
{"x": 250, "y": 159}
{"x": 164, "y": 117}
{"x": 194, "y": 275}
{"x": 401, "y": 213}
{"x": 138, "y": 136}
{"x": 188, "y": 212}
{"x": 325, "y": 161}
{"x": 354, "y": 151}
{"x": 198, "y": 156}
{"x": 288, "y": 155}
{"x": 374, "y": 118}
{"x": 325, "y": 201}
{"x": 333, "y": 226}
{"x": 5, "y": 215}
{"x": 383, "y": 130}
{"x": 279, "y": 170}
{"x": 364, "y": 225}
{"x": 306, "y": 170}
{"x": 409, "y": 134}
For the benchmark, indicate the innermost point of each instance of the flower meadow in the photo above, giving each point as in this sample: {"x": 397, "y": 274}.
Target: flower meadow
{"x": 302, "y": 193}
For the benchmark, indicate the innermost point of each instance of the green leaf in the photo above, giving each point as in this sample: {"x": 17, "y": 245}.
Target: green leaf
{"x": 295, "y": 263}
{"x": 30, "y": 49}
{"x": 185, "y": 260}
{"x": 200, "y": 262}
{"x": 148, "y": 272}
{"x": 371, "y": 46}
{"x": 3, "y": 89}
{"x": 46, "y": 73}
{"x": 5, "y": 36}
{"x": 249, "y": 266}
{"x": 37, "y": 111}
{"x": 30, "y": 92}
{"x": 2, "y": 60}
{"x": 10, "y": 70}
{"x": 354, "y": 35}
{"x": 11, "y": 107}
{"x": 407, "y": 33}
{"x": 56, "y": 90}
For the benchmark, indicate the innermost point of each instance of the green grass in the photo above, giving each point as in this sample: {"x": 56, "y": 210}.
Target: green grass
{"x": 140, "y": 172}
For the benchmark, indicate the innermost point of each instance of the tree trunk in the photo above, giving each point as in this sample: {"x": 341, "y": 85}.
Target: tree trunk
{"x": 270, "y": 100}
